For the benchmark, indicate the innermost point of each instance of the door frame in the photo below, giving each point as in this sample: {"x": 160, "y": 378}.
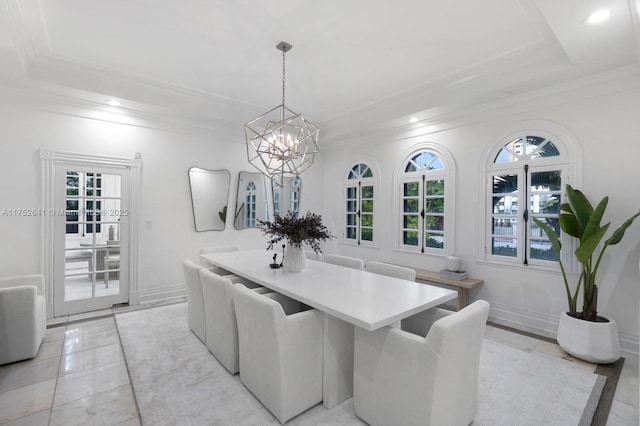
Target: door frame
{"x": 50, "y": 162}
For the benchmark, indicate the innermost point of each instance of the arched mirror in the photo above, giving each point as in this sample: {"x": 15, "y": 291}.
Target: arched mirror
{"x": 251, "y": 202}
{"x": 209, "y": 196}
{"x": 286, "y": 198}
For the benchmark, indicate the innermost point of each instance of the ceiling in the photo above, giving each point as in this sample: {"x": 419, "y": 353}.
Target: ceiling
{"x": 353, "y": 63}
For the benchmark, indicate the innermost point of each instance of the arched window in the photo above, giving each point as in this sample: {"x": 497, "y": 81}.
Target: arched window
{"x": 250, "y": 203}
{"x": 426, "y": 205}
{"x": 359, "y": 214}
{"x": 525, "y": 180}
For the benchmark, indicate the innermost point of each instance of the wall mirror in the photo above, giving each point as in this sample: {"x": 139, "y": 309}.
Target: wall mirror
{"x": 209, "y": 195}
{"x": 287, "y": 198}
{"x": 251, "y": 202}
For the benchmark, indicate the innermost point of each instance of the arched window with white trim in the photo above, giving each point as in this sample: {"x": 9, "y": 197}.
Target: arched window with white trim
{"x": 525, "y": 179}
{"x": 426, "y": 203}
{"x": 359, "y": 206}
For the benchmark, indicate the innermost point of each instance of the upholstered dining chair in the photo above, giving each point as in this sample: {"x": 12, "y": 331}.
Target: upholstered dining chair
{"x": 195, "y": 299}
{"x": 280, "y": 351}
{"x": 221, "y": 329}
{"x": 349, "y": 262}
{"x": 23, "y": 317}
{"x": 310, "y": 254}
{"x": 391, "y": 270}
{"x": 402, "y": 377}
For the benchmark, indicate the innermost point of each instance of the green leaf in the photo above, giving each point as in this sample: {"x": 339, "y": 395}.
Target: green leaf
{"x": 593, "y": 225}
{"x": 580, "y": 206}
{"x": 619, "y": 233}
{"x": 569, "y": 224}
{"x": 589, "y": 245}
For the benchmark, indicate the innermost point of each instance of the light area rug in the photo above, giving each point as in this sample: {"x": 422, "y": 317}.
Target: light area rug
{"x": 177, "y": 381}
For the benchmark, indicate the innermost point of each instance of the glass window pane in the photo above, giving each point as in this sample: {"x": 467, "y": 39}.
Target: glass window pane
{"x": 435, "y": 205}
{"x": 351, "y": 219}
{"x": 411, "y": 189}
{"x": 434, "y": 240}
{"x": 351, "y": 192}
{"x": 542, "y": 250}
{"x": 553, "y": 222}
{"x": 410, "y": 238}
{"x": 505, "y": 227}
{"x": 410, "y": 222}
{"x": 367, "y": 234}
{"x": 505, "y": 205}
{"x": 411, "y": 205}
{"x": 351, "y": 233}
{"x": 546, "y": 181}
{"x": 503, "y": 246}
{"x": 435, "y": 187}
{"x": 351, "y": 206}
{"x": 367, "y": 192}
{"x": 366, "y": 220}
{"x": 505, "y": 184}
{"x": 367, "y": 206}
{"x": 434, "y": 223}
{"x": 367, "y": 173}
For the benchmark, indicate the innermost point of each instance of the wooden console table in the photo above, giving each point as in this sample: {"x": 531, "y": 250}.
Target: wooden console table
{"x": 463, "y": 286}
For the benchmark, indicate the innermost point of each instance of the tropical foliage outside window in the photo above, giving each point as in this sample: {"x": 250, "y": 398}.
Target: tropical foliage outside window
{"x": 424, "y": 186}
{"x": 81, "y": 202}
{"x": 359, "y": 192}
{"x": 525, "y": 181}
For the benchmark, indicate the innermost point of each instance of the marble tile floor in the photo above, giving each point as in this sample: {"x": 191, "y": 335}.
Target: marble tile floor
{"x": 80, "y": 375}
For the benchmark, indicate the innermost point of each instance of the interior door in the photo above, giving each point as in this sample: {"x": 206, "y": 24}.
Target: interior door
{"x": 91, "y": 238}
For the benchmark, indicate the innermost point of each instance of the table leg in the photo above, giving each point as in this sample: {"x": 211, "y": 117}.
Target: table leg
{"x": 463, "y": 297}
{"x": 337, "y": 360}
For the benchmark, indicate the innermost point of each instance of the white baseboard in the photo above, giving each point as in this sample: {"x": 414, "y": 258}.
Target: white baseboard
{"x": 547, "y": 324}
{"x": 159, "y": 293}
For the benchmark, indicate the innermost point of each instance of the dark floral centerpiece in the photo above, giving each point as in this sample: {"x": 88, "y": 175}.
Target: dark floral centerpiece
{"x": 295, "y": 230}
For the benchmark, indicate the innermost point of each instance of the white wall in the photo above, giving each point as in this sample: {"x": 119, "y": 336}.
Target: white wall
{"x": 607, "y": 130}
{"x": 166, "y": 203}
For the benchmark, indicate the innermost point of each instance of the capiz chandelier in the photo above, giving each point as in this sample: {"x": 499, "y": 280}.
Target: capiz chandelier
{"x": 281, "y": 142}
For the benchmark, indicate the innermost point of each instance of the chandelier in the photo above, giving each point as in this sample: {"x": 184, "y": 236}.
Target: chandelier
{"x": 281, "y": 143}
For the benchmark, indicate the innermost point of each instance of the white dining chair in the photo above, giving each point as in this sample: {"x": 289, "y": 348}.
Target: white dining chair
{"x": 348, "y": 262}
{"x": 220, "y": 318}
{"x": 391, "y": 270}
{"x": 310, "y": 254}
{"x": 195, "y": 299}
{"x": 280, "y": 351}
{"x": 23, "y": 317}
{"x": 403, "y": 378}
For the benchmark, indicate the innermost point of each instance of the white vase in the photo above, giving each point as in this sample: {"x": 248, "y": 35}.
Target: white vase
{"x": 590, "y": 341}
{"x": 294, "y": 259}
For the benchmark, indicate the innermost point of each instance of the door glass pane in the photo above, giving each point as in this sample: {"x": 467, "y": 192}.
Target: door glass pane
{"x": 92, "y": 225}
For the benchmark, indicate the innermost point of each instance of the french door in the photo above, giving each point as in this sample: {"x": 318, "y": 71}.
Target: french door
{"x": 91, "y": 238}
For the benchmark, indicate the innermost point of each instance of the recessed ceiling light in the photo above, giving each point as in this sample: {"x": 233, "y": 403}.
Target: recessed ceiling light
{"x": 597, "y": 17}
{"x": 113, "y": 102}
{"x": 414, "y": 119}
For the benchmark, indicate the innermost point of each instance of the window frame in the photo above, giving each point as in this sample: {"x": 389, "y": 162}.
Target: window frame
{"x": 447, "y": 174}
{"x": 567, "y": 162}
{"x": 358, "y": 183}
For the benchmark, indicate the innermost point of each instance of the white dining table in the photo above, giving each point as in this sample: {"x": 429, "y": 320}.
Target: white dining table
{"x": 347, "y": 297}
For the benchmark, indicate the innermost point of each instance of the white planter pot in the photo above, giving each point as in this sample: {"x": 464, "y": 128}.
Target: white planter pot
{"x": 596, "y": 342}
{"x": 294, "y": 259}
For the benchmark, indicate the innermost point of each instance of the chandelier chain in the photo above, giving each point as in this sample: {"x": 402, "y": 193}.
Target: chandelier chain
{"x": 283, "y": 71}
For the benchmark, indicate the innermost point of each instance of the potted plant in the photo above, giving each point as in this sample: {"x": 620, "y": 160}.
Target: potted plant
{"x": 586, "y": 334}
{"x": 295, "y": 231}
